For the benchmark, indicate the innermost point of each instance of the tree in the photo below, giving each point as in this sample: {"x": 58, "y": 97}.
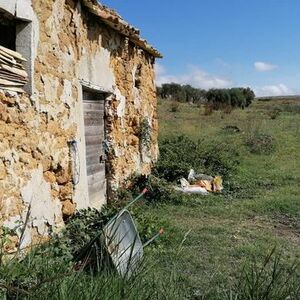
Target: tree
{"x": 249, "y": 96}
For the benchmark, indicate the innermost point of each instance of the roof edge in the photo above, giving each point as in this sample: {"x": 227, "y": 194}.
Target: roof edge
{"x": 116, "y": 22}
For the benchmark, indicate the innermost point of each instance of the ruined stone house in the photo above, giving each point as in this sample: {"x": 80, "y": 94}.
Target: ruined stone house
{"x": 88, "y": 119}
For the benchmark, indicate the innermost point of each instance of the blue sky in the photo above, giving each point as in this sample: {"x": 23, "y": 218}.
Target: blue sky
{"x": 222, "y": 43}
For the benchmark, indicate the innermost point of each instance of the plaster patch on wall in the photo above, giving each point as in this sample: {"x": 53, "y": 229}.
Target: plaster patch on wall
{"x": 54, "y": 22}
{"x": 51, "y": 84}
{"x": 66, "y": 96}
{"x": 95, "y": 68}
{"x": 44, "y": 211}
{"x": 122, "y": 104}
{"x": 137, "y": 98}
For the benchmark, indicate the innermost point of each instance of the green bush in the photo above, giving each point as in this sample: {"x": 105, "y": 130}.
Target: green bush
{"x": 180, "y": 154}
{"x": 226, "y": 99}
{"x": 80, "y": 230}
{"x": 159, "y": 190}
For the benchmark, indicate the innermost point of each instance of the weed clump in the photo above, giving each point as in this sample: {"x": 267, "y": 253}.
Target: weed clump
{"x": 208, "y": 109}
{"x": 261, "y": 144}
{"x": 174, "y": 106}
{"x": 274, "y": 113}
{"x": 269, "y": 279}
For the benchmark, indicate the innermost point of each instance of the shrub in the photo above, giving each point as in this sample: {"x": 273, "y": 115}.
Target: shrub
{"x": 174, "y": 106}
{"x": 227, "y": 109}
{"x": 180, "y": 154}
{"x": 208, "y": 109}
{"x": 274, "y": 113}
{"x": 159, "y": 190}
{"x": 261, "y": 144}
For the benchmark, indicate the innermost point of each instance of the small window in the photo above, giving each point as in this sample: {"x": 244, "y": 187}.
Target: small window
{"x": 16, "y": 35}
{"x": 8, "y": 36}
{"x": 7, "y": 33}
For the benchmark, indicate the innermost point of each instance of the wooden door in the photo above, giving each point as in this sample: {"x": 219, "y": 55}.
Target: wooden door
{"x": 95, "y": 161}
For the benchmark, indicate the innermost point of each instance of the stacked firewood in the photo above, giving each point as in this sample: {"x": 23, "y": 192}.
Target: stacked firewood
{"x": 12, "y": 73}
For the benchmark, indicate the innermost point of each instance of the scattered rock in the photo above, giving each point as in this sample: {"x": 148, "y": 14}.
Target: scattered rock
{"x": 68, "y": 208}
{"x": 63, "y": 176}
{"x": 49, "y": 177}
{"x": 66, "y": 192}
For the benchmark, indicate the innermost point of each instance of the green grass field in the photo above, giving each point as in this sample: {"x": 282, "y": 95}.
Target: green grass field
{"x": 221, "y": 234}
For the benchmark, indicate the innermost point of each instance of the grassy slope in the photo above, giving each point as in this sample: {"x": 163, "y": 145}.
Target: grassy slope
{"x": 227, "y": 232}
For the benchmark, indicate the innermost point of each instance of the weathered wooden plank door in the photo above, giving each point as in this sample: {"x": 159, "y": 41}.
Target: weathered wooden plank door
{"x": 95, "y": 157}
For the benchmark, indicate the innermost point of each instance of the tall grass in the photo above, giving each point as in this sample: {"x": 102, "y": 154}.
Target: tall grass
{"x": 66, "y": 270}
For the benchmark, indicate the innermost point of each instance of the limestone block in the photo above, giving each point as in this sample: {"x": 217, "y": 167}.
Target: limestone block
{"x": 24, "y": 10}
{"x": 3, "y": 173}
{"x": 68, "y": 208}
{"x": 63, "y": 176}
{"x": 49, "y": 177}
{"x": 66, "y": 192}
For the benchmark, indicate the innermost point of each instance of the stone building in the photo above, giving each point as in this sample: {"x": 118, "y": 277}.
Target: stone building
{"x": 88, "y": 119}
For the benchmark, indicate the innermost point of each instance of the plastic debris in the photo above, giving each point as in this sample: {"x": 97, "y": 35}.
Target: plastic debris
{"x": 201, "y": 184}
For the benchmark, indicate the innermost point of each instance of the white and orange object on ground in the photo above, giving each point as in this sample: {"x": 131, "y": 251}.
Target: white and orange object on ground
{"x": 200, "y": 184}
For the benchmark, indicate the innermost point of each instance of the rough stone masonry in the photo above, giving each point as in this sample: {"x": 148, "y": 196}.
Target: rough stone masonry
{"x": 71, "y": 46}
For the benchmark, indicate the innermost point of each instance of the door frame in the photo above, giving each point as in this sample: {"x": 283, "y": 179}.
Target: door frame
{"x": 105, "y": 94}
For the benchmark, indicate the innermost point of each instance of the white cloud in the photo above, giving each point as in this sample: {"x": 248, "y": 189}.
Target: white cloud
{"x": 194, "y": 76}
{"x": 261, "y": 66}
{"x": 274, "y": 90}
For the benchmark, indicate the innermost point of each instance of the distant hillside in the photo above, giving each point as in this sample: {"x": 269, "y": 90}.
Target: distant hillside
{"x": 269, "y": 98}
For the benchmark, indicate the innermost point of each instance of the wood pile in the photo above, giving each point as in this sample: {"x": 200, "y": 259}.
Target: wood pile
{"x": 12, "y": 73}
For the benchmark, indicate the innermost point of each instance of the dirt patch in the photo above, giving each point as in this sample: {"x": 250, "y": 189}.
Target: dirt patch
{"x": 286, "y": 226}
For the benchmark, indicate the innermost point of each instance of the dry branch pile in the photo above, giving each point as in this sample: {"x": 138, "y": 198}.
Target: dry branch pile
{"x": 12, "y": 73}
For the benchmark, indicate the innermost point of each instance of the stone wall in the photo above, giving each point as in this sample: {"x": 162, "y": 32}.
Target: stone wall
{"x": 73, "y": 49}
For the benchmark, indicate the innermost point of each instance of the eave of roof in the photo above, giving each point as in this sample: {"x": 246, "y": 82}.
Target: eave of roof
{"x": 116, "y": 22}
